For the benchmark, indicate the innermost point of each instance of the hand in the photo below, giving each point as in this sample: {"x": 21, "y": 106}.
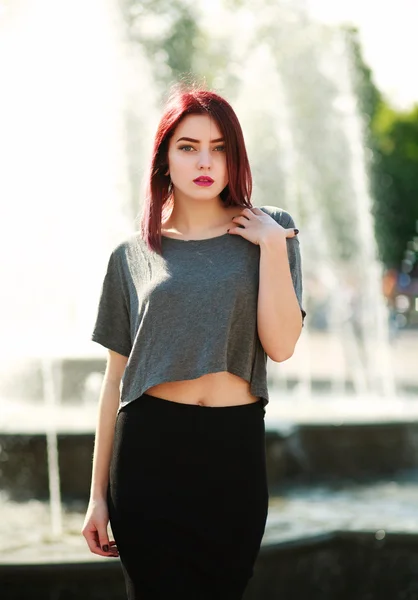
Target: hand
{"x": 258, "y": 226}
{"x": 95, "y": 529}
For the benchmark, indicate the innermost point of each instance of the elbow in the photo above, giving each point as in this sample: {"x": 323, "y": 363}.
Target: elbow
{"x": 282, "y": 354}
{"x": 281, "y": 347}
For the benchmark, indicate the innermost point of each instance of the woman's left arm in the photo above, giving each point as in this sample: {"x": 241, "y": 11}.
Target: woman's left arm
{"x": 279, "y": 310}
{"x": 279, "y": 317}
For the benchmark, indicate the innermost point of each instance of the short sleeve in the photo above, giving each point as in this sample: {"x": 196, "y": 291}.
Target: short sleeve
{"x": 295, "y": 263}
{"x": 112, "y": 327}
{"x": 293, "y": 252}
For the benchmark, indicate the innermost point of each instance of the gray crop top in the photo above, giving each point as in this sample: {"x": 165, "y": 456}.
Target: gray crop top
{"x": 187, "y": 312}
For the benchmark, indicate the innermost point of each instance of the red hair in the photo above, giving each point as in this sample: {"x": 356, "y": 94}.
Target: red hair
{"x": 159, "y": 197}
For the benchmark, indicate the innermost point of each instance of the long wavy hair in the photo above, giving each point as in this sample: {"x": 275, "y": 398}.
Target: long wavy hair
{"x": 159, "y": 199}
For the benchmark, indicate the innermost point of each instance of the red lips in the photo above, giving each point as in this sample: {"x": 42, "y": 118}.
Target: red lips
{"x": 204, "y": 179}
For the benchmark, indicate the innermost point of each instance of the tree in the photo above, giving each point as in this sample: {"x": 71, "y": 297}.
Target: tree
{"x": 393, "y": 138}
{"x": 167, "y": 31}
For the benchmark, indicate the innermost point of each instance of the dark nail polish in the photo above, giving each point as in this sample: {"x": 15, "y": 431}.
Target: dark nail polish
{"x": 105, "y": 548}
{"x": 296, "y": 231}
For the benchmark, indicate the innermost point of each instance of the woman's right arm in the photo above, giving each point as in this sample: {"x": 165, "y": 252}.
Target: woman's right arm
{"x": 95, "y": 524}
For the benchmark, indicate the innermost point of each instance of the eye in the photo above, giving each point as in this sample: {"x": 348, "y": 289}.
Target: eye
{"x": 220, "y": 148}
{"x": 185, "y": 148}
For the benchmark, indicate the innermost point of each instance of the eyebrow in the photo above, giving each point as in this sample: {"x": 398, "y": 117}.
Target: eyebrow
{"x": 187, "y": 139}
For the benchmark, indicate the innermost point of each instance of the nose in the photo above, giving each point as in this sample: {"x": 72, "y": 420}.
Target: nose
{"x": 205, "y": 159}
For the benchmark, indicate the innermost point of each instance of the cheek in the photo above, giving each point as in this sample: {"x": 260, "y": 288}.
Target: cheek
{"x": 178, "y": 163}
{"x": 225, "y": 171}
{"x": 175, "y": 167}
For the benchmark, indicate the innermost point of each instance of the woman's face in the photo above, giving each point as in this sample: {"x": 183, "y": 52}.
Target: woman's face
{"x": 197, "y": 149}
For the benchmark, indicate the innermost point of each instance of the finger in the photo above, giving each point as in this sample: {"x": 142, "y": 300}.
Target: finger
{"x": 257, "y": 211}
{"x": 235, "y": 230}
{"x": 248, "y": 212}
{"x": 292, "y": 232}
{"x": 113, "y": 548}
{"x": 103, "y": 539}
{"x": 93, "y": 544}
{"x": 107, "y": 548}
{"x": 240, "y": 219}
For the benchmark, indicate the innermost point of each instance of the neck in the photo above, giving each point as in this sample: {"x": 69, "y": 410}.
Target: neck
{"x": 190, "y": 216}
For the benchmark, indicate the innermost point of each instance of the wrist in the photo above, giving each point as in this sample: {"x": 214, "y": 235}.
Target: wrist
{"x": 96, "y": 499}
{"x": 98, "y": 494}
{"x": 274, "y": 241}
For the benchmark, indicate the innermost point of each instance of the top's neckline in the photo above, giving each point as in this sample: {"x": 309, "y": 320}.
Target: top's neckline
{"x": 201, "y": 241}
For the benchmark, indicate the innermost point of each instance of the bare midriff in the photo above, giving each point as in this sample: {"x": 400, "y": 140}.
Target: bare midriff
{"x": 212, "y": 389}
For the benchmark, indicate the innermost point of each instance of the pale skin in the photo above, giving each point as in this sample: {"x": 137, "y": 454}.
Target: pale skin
{"x": 199, "y": 213}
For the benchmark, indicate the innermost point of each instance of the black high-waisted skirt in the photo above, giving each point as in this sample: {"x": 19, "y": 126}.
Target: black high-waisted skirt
{"x": 188, "y": 498}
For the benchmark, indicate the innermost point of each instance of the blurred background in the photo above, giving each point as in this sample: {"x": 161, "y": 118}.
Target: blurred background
{"x": 327, "y": 97}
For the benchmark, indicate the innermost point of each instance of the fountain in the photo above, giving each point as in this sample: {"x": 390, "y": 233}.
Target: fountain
{"x": 290, "y": 81}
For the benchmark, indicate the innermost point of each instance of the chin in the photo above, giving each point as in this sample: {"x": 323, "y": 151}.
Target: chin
{"x": 203, "y": 193}
{"x": 207, "y": 191}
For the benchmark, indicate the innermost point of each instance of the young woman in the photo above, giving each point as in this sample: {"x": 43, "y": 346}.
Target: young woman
{"x": 190, "y": 308}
